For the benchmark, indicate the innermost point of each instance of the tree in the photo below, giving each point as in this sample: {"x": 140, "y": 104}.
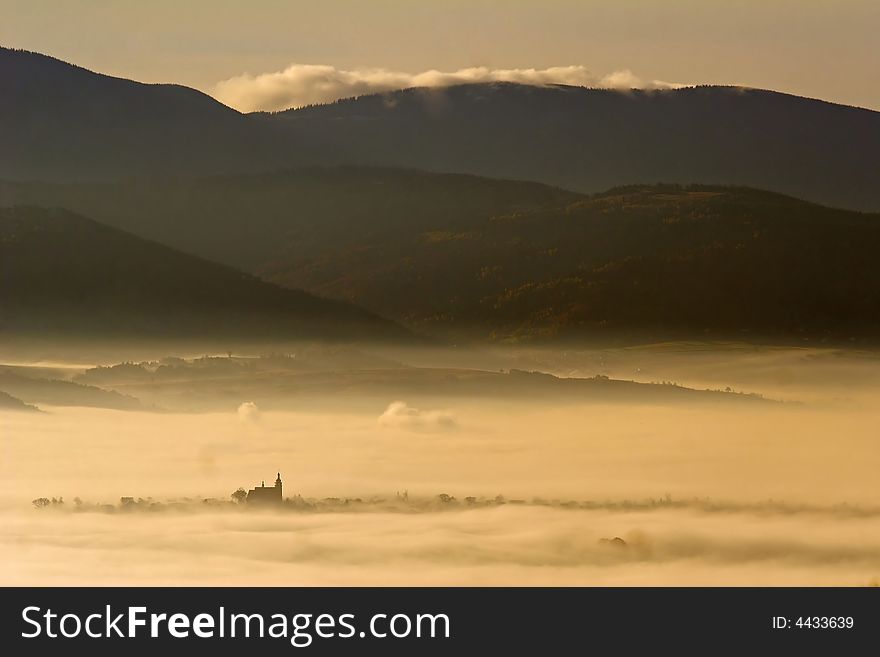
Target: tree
{"x": 239, "y": 496}
{"x": 41, "y": 502}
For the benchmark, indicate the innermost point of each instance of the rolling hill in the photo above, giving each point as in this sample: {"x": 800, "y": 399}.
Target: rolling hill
{"x": 54, "y": 392}
{"x": 10, "y": 403}
{"x": 250, "y": 220}
{"x": 72, "y": 124}
{"x": 464, "y": 258}
{"x": 66, "y": 275}
{"x": 652, "y": 262}
{"x": 218, "y": 384}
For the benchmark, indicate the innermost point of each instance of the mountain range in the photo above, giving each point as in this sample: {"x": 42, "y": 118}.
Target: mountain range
{"x": 591, "y": 139}
{"x": 66, "y": 123}
{"x": 133, "y": 209}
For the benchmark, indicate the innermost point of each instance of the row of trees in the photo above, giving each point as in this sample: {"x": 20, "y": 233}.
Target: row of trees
{"x": 43, "y": 502}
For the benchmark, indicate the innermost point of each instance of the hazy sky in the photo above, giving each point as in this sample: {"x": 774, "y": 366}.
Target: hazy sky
{"x": 820, "y": 48}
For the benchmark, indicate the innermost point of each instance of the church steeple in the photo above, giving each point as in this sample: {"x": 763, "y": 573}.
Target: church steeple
{"x": 267, "y": 495}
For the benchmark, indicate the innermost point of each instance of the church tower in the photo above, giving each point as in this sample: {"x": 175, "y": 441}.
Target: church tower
{"x": 278, "y": 492}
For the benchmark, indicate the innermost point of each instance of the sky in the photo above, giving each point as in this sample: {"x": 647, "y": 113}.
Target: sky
{"x": 263, "y": 53}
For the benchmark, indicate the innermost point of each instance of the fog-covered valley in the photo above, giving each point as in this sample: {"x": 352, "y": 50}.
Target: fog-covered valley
{"x": 445, "y": 466}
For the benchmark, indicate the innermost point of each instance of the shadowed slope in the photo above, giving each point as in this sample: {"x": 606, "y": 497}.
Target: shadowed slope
{"x": 65, "y": 274}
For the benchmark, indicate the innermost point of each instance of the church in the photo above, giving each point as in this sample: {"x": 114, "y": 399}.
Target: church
{"x": 266, "y": 496}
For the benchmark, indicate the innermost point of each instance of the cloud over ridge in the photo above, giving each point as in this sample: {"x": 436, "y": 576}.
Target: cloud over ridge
{"x": 307, "y": 84}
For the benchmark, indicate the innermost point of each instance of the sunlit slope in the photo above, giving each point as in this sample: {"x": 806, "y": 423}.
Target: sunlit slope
{"x": 653, "y": 262}
{"x": 66, "y": 275}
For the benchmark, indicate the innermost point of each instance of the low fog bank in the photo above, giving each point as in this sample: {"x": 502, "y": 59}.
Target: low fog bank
{"x": 580, "y": 452}
{"x": 199, "y": 378}
{"x": 504, "y": 545}
{"x": 340, "y": 378}
{"x": 792, "y": 496}
{"x": 749, "y": 492}
{"x": 56, "y": 507}
{"x": 814, "y": 374}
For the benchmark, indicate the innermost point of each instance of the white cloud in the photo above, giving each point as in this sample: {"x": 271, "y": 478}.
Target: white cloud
{"x": 305, "y": 84}
{"x": 248, "y": 412}
{"x": 401, "y": 415}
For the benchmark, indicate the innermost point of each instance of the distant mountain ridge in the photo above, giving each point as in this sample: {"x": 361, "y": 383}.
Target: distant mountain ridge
{"x": 71, "y": 124}
{"x": 589, "y": 140}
